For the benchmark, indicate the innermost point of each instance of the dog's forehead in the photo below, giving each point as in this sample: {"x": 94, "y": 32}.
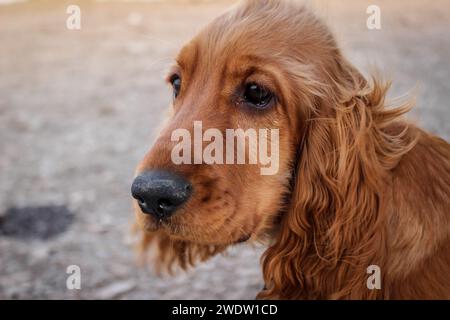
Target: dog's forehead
{"x": 258, "y": 32}
{"x": 236, "y": 54}
{"x": 232, "y": 58}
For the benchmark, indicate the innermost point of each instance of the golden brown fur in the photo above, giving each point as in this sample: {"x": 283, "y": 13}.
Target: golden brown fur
{"x": 356, "y": 186}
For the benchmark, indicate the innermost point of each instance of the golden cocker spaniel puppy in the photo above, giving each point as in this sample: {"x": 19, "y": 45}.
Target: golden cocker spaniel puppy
{"x": 355, "y": 185}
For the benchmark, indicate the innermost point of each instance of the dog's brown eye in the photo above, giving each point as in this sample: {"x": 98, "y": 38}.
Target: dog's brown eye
{"x": 175, "y": 80}
{"x": 257, "y": 95}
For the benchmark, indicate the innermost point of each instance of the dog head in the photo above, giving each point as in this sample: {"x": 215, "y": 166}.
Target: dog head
{"x": 238, "y": 74}
{"x": 265, "y": 65}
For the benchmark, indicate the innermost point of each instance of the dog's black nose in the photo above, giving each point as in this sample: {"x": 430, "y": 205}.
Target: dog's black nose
{"x": 160, "y": 193}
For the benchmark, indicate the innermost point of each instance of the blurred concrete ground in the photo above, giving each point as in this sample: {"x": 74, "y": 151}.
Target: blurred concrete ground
{"x": 78, "y": 109}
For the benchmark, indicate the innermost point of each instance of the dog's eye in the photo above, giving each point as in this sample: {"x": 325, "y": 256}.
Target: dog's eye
{"x": 175, "y": 80}
{"x": 257, "y": 95}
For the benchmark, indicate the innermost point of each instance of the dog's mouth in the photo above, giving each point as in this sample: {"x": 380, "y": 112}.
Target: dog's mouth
{"x": 244, "y": 238}
{"x": 151, "y": 223}
{"x": 181, "y": 230}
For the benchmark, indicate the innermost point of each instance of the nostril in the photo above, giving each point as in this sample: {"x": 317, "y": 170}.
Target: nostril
{"x": 164, "y": 204}
{"x": 140, "y": 200}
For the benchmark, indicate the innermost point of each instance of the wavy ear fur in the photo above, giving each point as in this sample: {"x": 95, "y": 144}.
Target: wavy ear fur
{"x": 333, "y": 229}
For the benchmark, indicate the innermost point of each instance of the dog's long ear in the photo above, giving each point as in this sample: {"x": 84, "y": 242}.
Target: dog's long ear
{"x": 331, "y": 232}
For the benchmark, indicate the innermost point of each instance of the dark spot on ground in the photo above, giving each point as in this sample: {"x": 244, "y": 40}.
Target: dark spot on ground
{"x": 35, "y": 222}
